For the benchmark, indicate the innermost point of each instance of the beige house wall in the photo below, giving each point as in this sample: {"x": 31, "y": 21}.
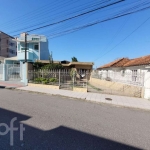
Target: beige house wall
{"x": 83, "y": 67}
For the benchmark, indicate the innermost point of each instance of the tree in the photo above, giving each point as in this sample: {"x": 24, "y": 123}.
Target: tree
{"x": 52, "y": 66}
{"x": 74, "y": 59}
{"x": 37, "y": 65}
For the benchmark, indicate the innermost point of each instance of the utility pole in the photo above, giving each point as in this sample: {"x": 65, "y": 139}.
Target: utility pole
{"x": 25, "y": 47}
{"x": 25, "y": 62}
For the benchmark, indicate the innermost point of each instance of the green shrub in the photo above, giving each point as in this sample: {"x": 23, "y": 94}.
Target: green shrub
{"x": 45, "y": 80}
{"x": 37, "y": 80}
{"x": 53, "y": 80}
{"x": 41, "y": 80}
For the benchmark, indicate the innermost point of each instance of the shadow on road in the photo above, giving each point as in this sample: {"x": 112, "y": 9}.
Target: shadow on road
{"x": 61, "y": 137}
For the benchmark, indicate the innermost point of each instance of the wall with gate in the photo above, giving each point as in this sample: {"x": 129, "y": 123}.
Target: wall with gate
{"x": 14, "y": 72}
{"x": 65, "y": 79}
{"x": 110, "y": 87}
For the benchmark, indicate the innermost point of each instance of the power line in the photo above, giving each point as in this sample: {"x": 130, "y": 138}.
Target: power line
{"x": 100, "y": 21}
{"x": 58, "y": 17}
{"x": 76, "y": 16}
{"x": 125, "y": 37}
{"x": 104, "y": 19}
{"x": 73, "y": 30}
{"x": 27, "y": 14}
{"x": 45, "y": 15}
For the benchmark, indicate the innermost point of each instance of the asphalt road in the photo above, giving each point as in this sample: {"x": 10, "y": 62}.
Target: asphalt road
{"x": 53, "y": 122}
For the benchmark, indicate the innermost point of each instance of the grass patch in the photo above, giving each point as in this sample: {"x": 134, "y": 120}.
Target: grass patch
{"x": 95, "y": 88}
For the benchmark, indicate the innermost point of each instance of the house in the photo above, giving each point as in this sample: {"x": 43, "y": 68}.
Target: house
{"x": 84, "y": 66}
{"x": 14, "y": 67}
{"x": 128, "y": 71}
{"x": 8, "y": 45}
{"x": 37, "y": 47}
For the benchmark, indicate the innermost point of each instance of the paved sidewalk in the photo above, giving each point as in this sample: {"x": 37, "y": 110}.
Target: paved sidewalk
{"x": 10, "y": 84}
{"x": 123, "y": 101}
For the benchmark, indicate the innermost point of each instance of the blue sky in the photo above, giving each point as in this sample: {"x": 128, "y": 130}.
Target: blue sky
{"x": 95, "y": 44}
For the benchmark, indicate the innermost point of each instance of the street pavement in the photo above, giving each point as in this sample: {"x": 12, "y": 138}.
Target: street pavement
{"x": 61, "y": 123}
{"x": 124, "y": 101}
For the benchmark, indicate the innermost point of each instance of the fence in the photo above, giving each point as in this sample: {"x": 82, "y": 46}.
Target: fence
{"x": 132, "y": 78}
{"x": 65, "y": 79}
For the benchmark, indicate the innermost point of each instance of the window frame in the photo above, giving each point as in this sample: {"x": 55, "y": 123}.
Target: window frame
{"x": 36, "y": 44}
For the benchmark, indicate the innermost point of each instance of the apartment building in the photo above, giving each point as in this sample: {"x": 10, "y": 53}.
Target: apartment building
{"x": 8, "y": 45}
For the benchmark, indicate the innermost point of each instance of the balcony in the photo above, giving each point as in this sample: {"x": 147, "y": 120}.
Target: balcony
{"x": 31, "y": 55}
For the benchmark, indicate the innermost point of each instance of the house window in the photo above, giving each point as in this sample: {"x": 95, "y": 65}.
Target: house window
{"x": 11, "y": 44}
{"x": 23, "y": 46}
{"x": 36, "y": 47}
{"x": 134, "y": 75}
{"x": 35, "y": 39}
{"x": 18, "y": 47}
{"x": 123, "y": 72}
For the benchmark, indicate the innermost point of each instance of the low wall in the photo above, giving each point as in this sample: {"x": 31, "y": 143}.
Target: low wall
{"x": 79, "y": 89}
{"x": 129, "y": 90}
{"x": 44, "y": 86}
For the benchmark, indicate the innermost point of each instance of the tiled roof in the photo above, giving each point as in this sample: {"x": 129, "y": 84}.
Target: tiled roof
{"x": 125, "y": 62}
{"x": 145, "y": 60}
{"x": 117, "y": 63}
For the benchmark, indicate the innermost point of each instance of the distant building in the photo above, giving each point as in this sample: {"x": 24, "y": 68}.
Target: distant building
{"x": 37, "y": 47}
{"x": 8, "y": 45}
{"x": 128, "y": 71}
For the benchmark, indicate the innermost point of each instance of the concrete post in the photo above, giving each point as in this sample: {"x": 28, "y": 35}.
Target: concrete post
{"x": 59, "y": 78}
{"x": 24, "y": 73}
{"x": 147, "y": 85}
{"x": 4, "y": 72}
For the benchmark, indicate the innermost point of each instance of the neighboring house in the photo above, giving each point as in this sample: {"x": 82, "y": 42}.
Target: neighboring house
{"x": 84, "y": 66}
{"x": 37, "y": 47}
{"x": 14, "y": 68}
{"x": 8, "y": 45}
{"x": 129, "y": 71}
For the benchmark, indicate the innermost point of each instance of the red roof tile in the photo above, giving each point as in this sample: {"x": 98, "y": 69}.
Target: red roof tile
{"x": 125, "y": 62}
{"x": 145, "y": 60}
{"x": 117, "y": 63}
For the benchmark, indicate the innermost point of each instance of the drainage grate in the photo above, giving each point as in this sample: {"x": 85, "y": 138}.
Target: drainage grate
{"x": 109, "y": 99}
